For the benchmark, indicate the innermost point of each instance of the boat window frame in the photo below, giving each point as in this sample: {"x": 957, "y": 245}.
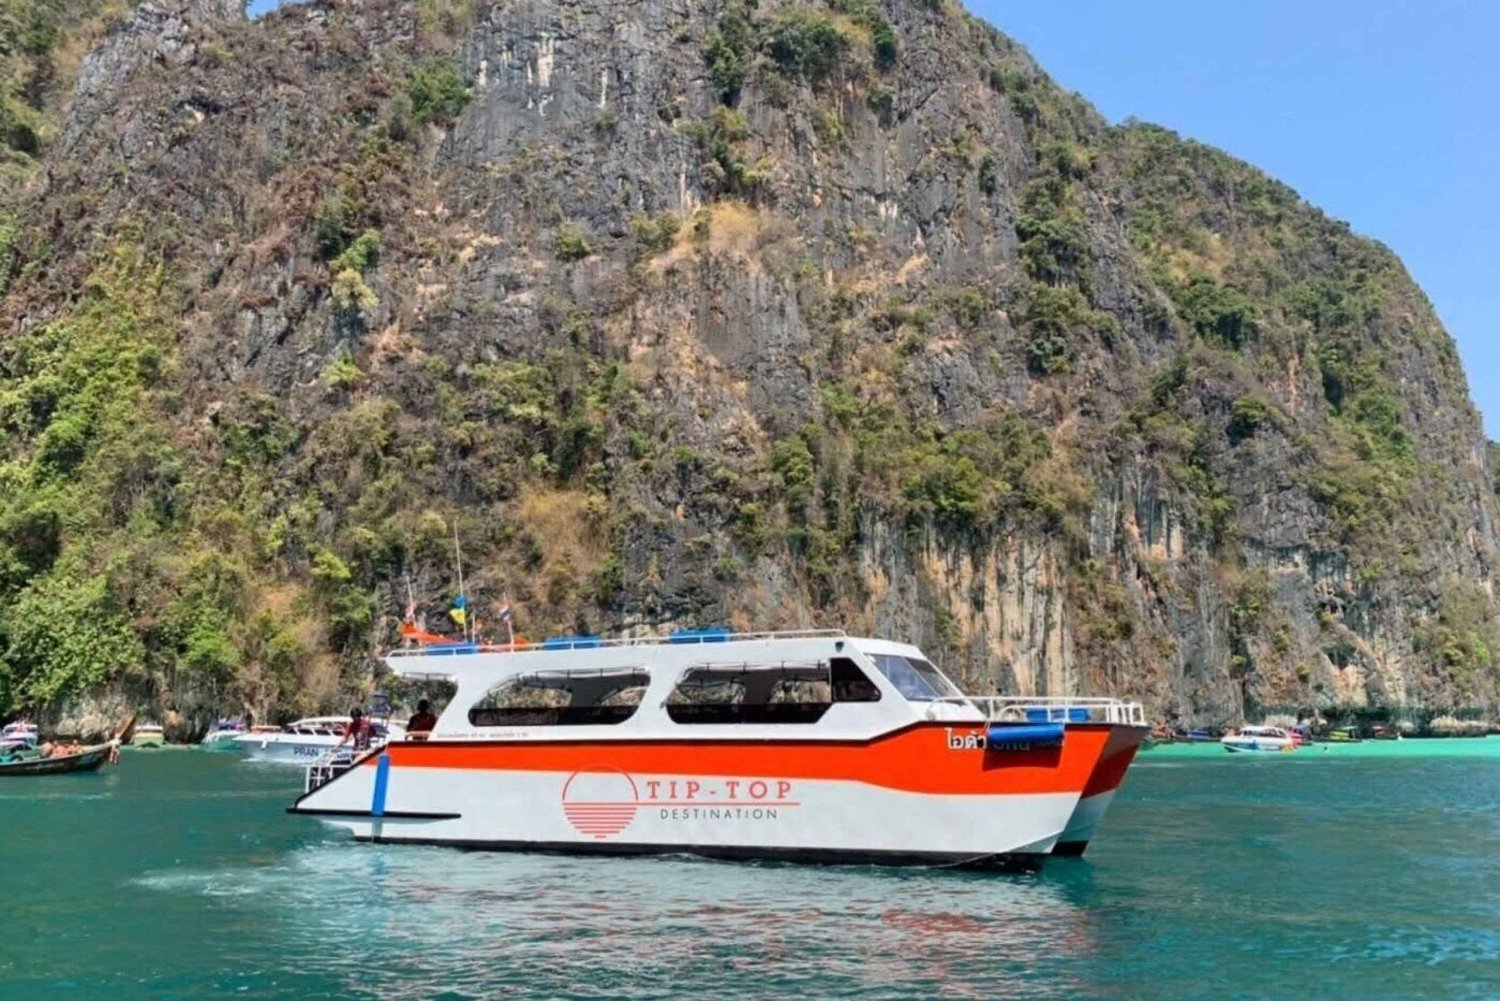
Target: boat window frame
{"x": 633, "y": 676}
{"x": 873, "y": 694}
{"x": 902, "y": 686}
{"x": 739, "y": 713}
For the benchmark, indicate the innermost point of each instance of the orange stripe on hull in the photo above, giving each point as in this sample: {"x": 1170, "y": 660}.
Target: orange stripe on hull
{"x": 920, "y": 758}
{"x": 1124, "y": 741}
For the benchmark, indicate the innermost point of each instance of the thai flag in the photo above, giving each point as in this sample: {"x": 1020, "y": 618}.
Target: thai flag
{"x": 505, "y": 614}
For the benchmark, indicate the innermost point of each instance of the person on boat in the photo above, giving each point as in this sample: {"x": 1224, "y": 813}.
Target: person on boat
{"x": 422, "y": 723}
{"x": 359, "y": 730}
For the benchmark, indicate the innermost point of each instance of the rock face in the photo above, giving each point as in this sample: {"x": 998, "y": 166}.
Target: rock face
{"x": 775, "y": 314}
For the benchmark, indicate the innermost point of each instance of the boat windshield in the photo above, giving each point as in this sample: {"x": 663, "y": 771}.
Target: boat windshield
{"x": 915, "y": 678}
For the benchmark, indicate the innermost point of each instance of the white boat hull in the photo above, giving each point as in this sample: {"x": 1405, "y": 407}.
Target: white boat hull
{"x": 288, "y": 749}
{"x": 1086, "y": 820}
{"x": 805, "y": 820}
{"x": 1258, "y": 745}
{"x": 927, "y": 794}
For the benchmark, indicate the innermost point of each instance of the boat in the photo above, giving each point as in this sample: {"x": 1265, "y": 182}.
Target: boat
{"x": 1344, "y": 735}
{"x": 1259, "y": 738}
{"x": 1199, "y": 736}
{"x": 85, "y": 759}
{"x": 20, "y": 731}
{"x": 149, "y": 735}
{"x": 18, "y": 737}
{"x": 221, "y": 735}
{"x": 306, "y": 740}
{"x": 809, "y": 746}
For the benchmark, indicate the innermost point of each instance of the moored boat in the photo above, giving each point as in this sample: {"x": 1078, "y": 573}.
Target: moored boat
{"x": 221, "y": 736}
{"x": 85, "y": 759}
{"x": 1259, "y": 738}
{"x": 149, "y": 735}
{"x": 811, "y": 746}
{"x": 20, "y": 732}
{"x": 304, "y": 741}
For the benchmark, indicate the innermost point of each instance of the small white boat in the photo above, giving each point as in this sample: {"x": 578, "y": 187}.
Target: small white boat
{"x": 1259, "y": 738}
{"x": 221, "y": 737}
{"x": 20, "y": 734}
{"x": 306, "y": 740}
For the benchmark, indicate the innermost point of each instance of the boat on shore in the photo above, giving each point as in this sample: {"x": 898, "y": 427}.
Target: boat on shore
{"x": 801, "y": 746}
{"x": 1259, "y": 739}
{"x": 149, "y": 735}
{"x": 306, "y": 740}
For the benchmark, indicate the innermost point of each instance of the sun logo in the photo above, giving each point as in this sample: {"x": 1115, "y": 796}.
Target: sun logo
{"x": 600, "y": 803}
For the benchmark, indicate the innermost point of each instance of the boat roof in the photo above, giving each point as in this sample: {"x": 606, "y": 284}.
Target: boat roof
{"x": 680, "y": 648}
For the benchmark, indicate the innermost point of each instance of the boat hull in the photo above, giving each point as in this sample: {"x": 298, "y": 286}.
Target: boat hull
{"x": 926, "y": 795}
{"x": 303, "y": 750}
{"x": 1259, "y": 746}
{"x": 1124, "y": 743}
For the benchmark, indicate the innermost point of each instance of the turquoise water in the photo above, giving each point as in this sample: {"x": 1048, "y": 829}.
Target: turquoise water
{"x": 1341, "y": 875}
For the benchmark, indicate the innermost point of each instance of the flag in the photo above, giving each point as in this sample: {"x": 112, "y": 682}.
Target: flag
{"x": 458, "y": 615}
{"x": 505, "y": 613}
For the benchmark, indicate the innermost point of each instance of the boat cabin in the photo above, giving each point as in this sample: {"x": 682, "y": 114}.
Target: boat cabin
{"x": 712, "y": 681}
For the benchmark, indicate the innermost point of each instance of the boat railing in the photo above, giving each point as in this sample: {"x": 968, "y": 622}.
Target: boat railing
{"x": 336, "y": 760}
{"x": 1053, "y": 709}
{"x": 327, "y": 766}
{"x": 693, "y": 636}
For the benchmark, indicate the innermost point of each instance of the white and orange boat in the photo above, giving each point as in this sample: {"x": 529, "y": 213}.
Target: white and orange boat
{"x": 811, "y": 746}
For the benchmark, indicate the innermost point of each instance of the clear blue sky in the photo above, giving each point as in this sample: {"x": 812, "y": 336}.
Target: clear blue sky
{"x": 1385, "y": 113}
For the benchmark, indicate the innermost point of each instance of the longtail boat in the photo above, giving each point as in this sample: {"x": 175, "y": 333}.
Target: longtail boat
{"x": 87, "y": 759}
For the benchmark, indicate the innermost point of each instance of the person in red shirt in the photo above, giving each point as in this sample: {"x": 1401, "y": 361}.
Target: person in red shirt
{"x": 358, "y": 730}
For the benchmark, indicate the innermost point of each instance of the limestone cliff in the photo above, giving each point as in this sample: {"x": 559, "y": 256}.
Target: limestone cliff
{"x": 771, "y": 314}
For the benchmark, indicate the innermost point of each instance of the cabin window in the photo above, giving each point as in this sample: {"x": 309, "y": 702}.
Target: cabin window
{"x": 915, "y": 678}
{"x": 850, "y": 683}
{"x": 751, "y": 693}
{"x": 563, "y": 698}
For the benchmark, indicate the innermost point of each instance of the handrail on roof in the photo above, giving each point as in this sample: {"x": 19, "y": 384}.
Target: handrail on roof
{"x": 1053, "y": 708}
{"x": 691, "y": 637}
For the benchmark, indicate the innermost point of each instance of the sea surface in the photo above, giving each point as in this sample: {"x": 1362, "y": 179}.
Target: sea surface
{"x": 1357, "y": 872}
